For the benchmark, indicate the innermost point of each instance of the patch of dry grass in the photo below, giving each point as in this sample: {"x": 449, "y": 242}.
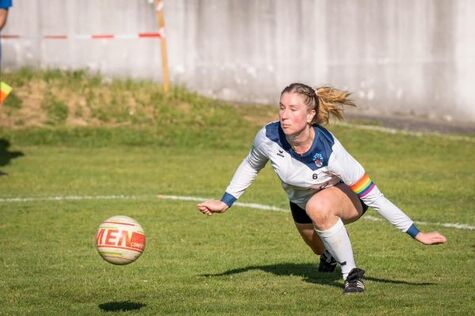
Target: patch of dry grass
{"x": 94, "y": 101}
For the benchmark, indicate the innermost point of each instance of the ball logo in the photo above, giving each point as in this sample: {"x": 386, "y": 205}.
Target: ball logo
{"x": 120, "y": 240}
{"x": 107, "y": 237}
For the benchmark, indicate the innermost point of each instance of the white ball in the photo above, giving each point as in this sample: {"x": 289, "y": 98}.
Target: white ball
{"x": 120, "y": 240}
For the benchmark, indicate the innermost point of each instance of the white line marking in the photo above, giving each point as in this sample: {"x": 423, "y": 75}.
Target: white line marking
{"x": 448, "y": 225}
{"x": 200, "y": 199}
{"x": 389, "y": 130}
{"x": 196, "y": 199}
{"x": 73, "y": 198}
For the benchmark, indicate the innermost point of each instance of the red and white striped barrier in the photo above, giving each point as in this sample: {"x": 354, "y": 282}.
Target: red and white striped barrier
{"x": 159, "y": 35}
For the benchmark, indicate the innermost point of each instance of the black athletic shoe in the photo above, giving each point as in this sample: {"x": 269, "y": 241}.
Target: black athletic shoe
{"x": 327, "y": 262}
{"x": 354, "y": 282}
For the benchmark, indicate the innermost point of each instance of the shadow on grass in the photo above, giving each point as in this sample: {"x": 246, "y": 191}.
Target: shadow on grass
{"x": 5, "y": 155}
{"x": 308, "y": 272}
{"x": 121, "y": 306}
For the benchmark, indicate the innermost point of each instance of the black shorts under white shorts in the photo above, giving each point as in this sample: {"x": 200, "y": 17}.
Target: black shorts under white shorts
{"x": 301, "y": 217}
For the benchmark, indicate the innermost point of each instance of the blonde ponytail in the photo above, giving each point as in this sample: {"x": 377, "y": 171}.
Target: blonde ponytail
{"x": 326, "y": 101}
{"x": 330, "y": 103}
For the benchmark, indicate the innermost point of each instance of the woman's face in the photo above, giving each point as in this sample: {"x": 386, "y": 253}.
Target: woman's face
{"x": 294, "y": 113}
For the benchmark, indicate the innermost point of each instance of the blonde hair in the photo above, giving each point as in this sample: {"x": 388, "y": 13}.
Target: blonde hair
{"x": 326, "y": 101}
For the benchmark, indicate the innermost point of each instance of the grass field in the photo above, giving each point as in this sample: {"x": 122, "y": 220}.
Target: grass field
{"x": 59, "y": 182}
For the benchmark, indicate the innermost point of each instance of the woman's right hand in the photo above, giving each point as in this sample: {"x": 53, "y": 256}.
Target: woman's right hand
{"x": 212, "y": 206}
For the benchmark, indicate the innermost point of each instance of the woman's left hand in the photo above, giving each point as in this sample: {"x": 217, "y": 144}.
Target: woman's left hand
{"x": 431, "y": 238}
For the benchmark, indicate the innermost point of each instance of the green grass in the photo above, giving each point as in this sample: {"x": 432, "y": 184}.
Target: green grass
{"x": 244, "y": 262}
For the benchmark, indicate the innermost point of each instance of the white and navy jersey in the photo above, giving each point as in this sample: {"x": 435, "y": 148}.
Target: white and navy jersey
{"x": 325, "y": 164}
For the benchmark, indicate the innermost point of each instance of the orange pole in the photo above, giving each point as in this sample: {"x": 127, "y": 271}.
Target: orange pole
{"x": 163, "y": 44}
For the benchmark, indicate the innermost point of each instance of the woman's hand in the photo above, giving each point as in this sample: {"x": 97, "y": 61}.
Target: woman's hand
{"x": 212, "y": 206}
{"x": 431, "y": 238}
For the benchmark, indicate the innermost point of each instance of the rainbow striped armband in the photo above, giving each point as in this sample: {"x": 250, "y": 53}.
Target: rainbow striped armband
{"x": 363, "y": 186}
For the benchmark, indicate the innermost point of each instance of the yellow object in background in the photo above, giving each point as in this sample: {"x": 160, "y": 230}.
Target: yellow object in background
{"x": 4, "y": 91}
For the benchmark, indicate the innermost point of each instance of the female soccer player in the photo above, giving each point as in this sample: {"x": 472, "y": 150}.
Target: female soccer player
{"x": 326, "y": 186}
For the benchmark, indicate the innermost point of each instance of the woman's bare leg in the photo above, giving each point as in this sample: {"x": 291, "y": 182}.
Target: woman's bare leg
{"x": 329, "y": 209}
{"x": 307, "y": 231}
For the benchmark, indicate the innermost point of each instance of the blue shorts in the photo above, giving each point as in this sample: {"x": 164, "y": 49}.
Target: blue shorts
{"x": 301, "y": 217}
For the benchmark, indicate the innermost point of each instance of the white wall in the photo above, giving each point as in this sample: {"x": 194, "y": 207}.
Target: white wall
{"x": 405, "y": 57}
